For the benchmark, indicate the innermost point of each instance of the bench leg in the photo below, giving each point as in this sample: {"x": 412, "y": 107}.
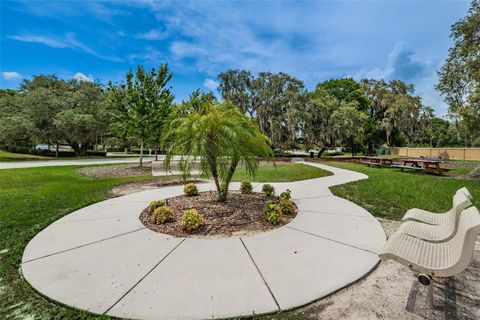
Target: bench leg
{"x": 430, "y": 295}
{"x": 427, "y": 282}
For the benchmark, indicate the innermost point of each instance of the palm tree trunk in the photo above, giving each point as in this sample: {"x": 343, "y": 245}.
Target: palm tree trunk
{"x": 231, "y": 170}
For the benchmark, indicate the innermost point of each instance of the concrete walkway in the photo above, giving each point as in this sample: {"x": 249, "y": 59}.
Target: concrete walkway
{"x": 56, "y": 163}
{"x": 102, "y": 259}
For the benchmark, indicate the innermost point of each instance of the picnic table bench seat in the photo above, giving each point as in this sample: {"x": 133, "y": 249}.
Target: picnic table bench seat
{"x": 459, "y": 204}
{"x": 443, "y": 259}
{"x": 406, "y": 167}
{"x": 370, "y": 163}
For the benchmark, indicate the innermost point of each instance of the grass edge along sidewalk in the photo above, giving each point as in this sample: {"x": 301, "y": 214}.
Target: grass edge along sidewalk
{"x": 389, "y": 193}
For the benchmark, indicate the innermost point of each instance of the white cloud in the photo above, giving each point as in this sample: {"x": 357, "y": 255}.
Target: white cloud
{"x": 11, "y": 75}
{"x": 45, "y": 40}
{"x": 401, "y": 64}
{"x": 81, "y": 77}
{"x": 67, "y": 41}
{"x": 211, "y": 84}
{"x": 148, "y": 54}
{"x": 152, "y": 35}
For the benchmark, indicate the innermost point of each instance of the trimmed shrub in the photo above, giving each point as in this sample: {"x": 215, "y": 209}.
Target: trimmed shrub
{"x": 268, "y": 189}
{"x": 286, "y": 205}
{"x": 272, "y": 212}
{"x": 190, "y": 189}
{"x": 286, "y": 194}
{"x": 246, "y": 187}
{"x": 162, "y": 214}
{"x": 155, "y": 204}
{"x": 191, "y": 220}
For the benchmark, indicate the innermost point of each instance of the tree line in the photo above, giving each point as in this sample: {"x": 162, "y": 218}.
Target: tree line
{"x": 359, "y": 115}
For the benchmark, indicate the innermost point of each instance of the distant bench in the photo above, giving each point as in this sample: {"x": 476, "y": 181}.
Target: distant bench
{"x": 406, "y": 167}
{"x": 377, "y": 161}
{"x": 422, "y": 165}
{"x": 159, "y": 169}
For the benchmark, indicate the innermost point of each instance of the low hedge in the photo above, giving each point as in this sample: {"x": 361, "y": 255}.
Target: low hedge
{"x": 49, "y": 153}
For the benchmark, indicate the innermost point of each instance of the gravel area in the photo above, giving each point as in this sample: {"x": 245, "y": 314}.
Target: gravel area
{"x": 241, "y": 214}
{"x": 122, "y": 170}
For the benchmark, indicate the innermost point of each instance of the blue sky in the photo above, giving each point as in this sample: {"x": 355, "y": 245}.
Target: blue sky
{"x": 313, "y": 41}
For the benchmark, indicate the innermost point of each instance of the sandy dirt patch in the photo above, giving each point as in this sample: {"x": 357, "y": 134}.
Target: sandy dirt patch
{"x": 122, "y": 170}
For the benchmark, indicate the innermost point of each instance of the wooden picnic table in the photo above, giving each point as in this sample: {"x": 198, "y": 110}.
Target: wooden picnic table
{"x": 378, "y": 161}
{"x": 423, "y": 165}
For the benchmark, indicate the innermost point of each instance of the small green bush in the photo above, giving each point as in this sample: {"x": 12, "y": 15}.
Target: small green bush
{"x": 286, "y": 205}
{"x": 246, "y": 187}
{"x": 268, "y": 189}
{"x": 191, "y": 220}
{"x": 155, "y": 204}
{"x": 286, "y": 194}
{"x": 190, "y": 189}
{"x": 273, "y": 212}
{"x": 162, "y": 214}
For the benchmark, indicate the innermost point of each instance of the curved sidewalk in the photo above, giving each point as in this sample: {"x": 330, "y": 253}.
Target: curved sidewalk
{"x": 102, "y": 259}
{"x": 74, "y": 162}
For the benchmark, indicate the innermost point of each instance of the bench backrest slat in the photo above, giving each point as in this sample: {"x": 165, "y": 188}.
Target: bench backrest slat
{"x": 464, "y": 241}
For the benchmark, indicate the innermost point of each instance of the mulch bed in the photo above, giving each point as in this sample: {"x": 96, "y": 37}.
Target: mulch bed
{"x": 123, "y": 170}
{"x": 241, "y": 214}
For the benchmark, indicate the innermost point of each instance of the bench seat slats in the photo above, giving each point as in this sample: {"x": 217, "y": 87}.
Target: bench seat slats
{"x": 428, "y": 232}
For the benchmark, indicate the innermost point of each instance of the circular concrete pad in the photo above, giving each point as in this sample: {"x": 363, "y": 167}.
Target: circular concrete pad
{"x": 102, "y": 259}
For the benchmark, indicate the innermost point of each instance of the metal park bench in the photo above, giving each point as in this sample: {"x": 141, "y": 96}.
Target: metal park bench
{"x": 438, "y": 232}
{"x": 433, "y": 250}
{"x": 458, "y": 205}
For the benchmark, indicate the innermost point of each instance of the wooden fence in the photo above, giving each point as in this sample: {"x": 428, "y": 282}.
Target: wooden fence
{"x": 444, "y": 153}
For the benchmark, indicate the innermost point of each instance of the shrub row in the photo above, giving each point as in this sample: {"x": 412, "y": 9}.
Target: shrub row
{"x": 49, "y": 153}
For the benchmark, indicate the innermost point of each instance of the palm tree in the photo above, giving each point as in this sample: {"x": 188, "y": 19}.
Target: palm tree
{"x": 220, "y": 136}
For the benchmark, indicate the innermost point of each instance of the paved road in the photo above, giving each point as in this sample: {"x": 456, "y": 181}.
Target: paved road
{"x": 102, "y": 259}
{"x": 54, "y": 163}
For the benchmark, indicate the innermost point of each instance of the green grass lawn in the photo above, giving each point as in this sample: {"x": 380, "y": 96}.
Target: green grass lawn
{"x": 31, "y": 199}
{"x": 281, "y": 172}
{"x": 9, "y": 156}
{"x": 389, "y": 193}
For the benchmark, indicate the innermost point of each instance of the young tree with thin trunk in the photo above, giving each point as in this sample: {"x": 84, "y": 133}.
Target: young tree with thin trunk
{"x": 142, "y": 104}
